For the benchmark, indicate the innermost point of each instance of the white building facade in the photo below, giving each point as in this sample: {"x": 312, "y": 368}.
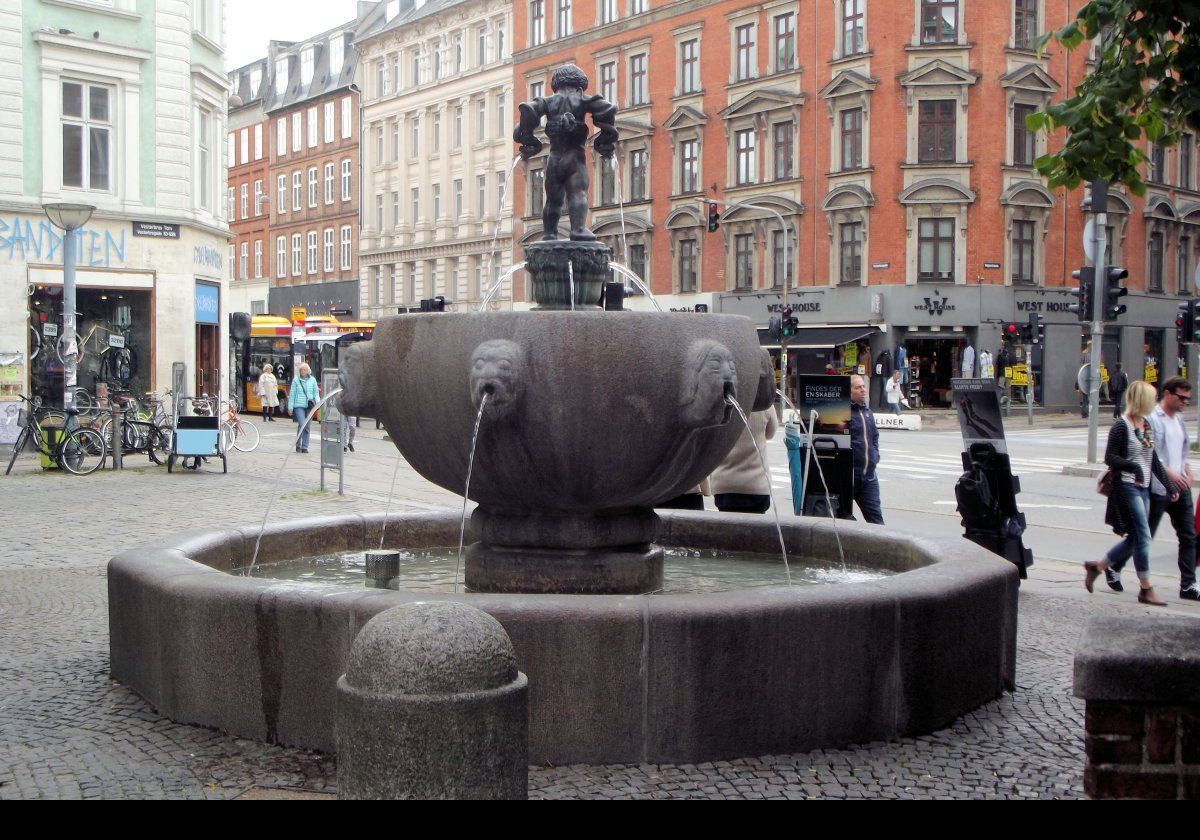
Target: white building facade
{"x": 118, "y": 105}
{"x": 437, "y": 154}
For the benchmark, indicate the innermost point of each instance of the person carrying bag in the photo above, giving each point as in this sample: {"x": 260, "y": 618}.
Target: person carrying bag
{"x": 303, "y": 398}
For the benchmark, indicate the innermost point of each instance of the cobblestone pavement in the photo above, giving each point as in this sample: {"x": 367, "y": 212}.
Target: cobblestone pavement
{"x": 68, "y": 731}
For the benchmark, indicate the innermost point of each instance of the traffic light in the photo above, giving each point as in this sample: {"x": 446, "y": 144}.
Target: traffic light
{"x": 1083, "y": 307}
{"x": 787, "y": 323}
{"x": 1037, "y": 329}
{"x": 1113, "y": 292}
{"x": 714, "y": 217}
{"x": 1011, "y": 332}
{"x": 1194, "y": 319}
{"x": 775, "y": 328}
{"x": 1183, "y": 321}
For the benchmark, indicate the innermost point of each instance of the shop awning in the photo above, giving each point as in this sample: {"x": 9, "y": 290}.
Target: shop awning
{"x": 825, "y": 335}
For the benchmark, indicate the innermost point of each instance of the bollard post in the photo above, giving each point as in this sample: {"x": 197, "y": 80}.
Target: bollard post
{"x": 118, "y": 437}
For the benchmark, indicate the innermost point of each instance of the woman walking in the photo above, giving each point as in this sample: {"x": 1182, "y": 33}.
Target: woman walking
{"x": 268, "y": 392}
{"x": 1131, "y": 457}
{"x": 304, "y": 395}
{"x": 739, "y": 485}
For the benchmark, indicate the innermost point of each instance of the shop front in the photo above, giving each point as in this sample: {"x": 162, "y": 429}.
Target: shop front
{"x": 338, "y": 298}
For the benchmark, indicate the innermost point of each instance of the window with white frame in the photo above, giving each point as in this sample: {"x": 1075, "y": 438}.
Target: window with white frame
{"x": 689, "y": 66}
{"x": 481, "y": 196}
{"x": 245, "y": 145}
{"x": 935, "y": 249}
{"x": 458, "y": 122}
{"x": 307, "y": 61}
{"x": 501, "y": 189}
{"x": 379, "y": 211}
{"x": 345, "y": 247}
{"x": 258, "y": 197}
{"x": 850, "y": 240}
{"x": 608, "y": 81}
{"x": 281, "y": 136}
{"x": 639, "y": 88}
{"x": 281, "y": 75}
{"x": 208, "y": 18}
{"x": 296, "y": 188}
{"x": 414, "y": 140}
{"x": 458, "y": 53}
{"x": 312, "y": 252}
{"x": 230, "y": 207}
{"x": 1025, "y": 24}
{"x": 245, "y": 203}
{"x": 346, "y": 180}
{"x": 745, "y": 52}
{"x": 244, "y": 261}
{"x": 231, "y": 150}
{"x": 501, "y": 115}
{"x": 312, "y": 128}
{"x": 328, "y": 249}
{"x": 232, "y": 263}
{"x": 435, "y": 144}
{"x": 939, "y": 21}
{"x": 688, "y": 262}
{"x": 481, "y": 39}
{"x": 346, "y": 117}
{"x": 312, "y": 186}
{"x": 297, "y": 131}
{"x": 537, "y": 90}
{"x": 500, "y": 54}
{"x": 295, "y": 255}
{"x": 395, "y": 208}
{"x": 329, "y": 183}
{"x": 281, "y": 256}
{"x": 437, "y": 201}
{"x": 258, "y": 258}
{"x": 480, "y": 119}
{"x": 1024, "y": 239}
{"x": 562, "y": 18}
{"x": 638, "y": 176}
{"x": 743, "y": 261}
{"x": 854, "y": 31}
{"x": 783, "y": 260}
{"x": 258, "y": 141}
{"x": 458, "y": 198}
{"x": 747, "y": 156}
{"x": 98, "y": 160}
{"x": 330, "y": 127}
{"x": 689, "y": 165}
{"x": 415, "y": 205}
{"x": 608, "y": 11}
{"x": 281, "y": 194}
{"x": 337, "y": 54}
{"x": 537, "y": 22}
{"x": 636, "y": 7}
{"x": 783, "y": 135}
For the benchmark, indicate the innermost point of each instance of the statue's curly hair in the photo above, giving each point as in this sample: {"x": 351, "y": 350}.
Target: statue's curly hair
{"x": 568, "y": 76}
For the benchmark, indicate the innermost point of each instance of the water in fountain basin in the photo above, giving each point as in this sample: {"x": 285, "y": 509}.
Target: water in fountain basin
{"x": 637, "y": 281}
{"x": 499, "y": 284}
{"x": 767, "y": 474}
{"x": 462, "y": 533}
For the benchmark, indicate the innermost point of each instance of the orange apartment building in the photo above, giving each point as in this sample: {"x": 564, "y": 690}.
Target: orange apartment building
{"x": 249, "y": 192}
{"x": 890, "y": 138}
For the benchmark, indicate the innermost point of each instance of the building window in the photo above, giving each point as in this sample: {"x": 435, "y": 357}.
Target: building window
{"x": 297, "y": 131}
{"x": 1158, "y": 163}
{"x": 639, "y": 93}
{"x": 436, "y": 51}
{"x": 437, "y": 201}
{"x": 414, "y": 139}
{"x": 435, "y": 145}
{"x": 258, "y": 142}
{"x": 312, "y": 186}
{"x": 379, "y": 211}
{"x": 295, "y": 255}
{"x": 785, "y": 42}
{"x": 1023, "y": 139}
{"x": 501, "y": 115}
{"x": 296, "y": 188}
{"x": 258, "y": 197}
{"x": 281, "y": 194}
{"x": 346, "y": 118}
{"x": 637, "y": 175}
{"x": 346, "y": 180}
{"x": 687, "y": 265}
{"x": 244, "y": 145}
{"x": 98, "y": 152}
{"x": 537, "y": 191}
{"x": 537, "y": 22}
{"x": 480, "y": 120}
{"x": 281, "y": 136}
{"x": 244, "y": 261}
{"x": 781, "y": 261}
{"x": 851, "y": 125}
{"x": 744, "y": 46}
{"x": 536, "y": 90}
{"x": 329, "y": 183}
{"x": 281, "y": 256}
{"x": 1186, "y": 153}
{"x": 415, "y": 204}
{"x": 458, "y": 122}
{"x": 501, "y": 189}
{"x": 1025, "y": 26}
{"x": 395, "y": 208}
{"x": 637, "y": 7}
{"x": 746, "y": 156}
{"x": 330, "y": 128}
{"x": 312, "y": 128}
{"x": 345, "y": 247}
{"x": 281, "y": 75}
{"x": 481, "y": 45}
{"x": 379, "y": 158}
{"x": 689, "y": 66}
{"x": 743, "y": 251}
{"x": 689, "y": 166}
{"x": 230, "y": 208}
{"x": 562, "y": 24}
{"x": 939, "y": 21}
{"x": 1023, "y": 232}
{"x": 1182, "y": 269}
{"x": 245, "y": 201}
{"x": 608, "y": 81}
{"x": 935, "y": 250}
{"x": 1156, "y": 262}
{"x": 481, "y": 195}
{"x": 328, "y": 249}
{"x": 458, "y": 198}
{"x": 312, "y": 252}
{"x": 258, "y": 258}
{"x": 854, "y": 31}
{"x": 637, "y": 264}
{"x": 231, "y": 152}
{"x": 850, "y": 253}
{"x": 337, "y": 55}
{"x": 608, "y": 11}
{"x": 500, "y": 54}
{"x": 935, "y": 131}
{"x": 307, "y": 56}
{"x": 458, "y": 55}
{"x": 784, "y": 150}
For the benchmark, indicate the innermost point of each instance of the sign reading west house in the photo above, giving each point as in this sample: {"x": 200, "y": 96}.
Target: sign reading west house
{"x": 156, "y": 230}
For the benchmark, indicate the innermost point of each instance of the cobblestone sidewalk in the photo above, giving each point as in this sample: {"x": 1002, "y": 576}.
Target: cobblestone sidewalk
{"x": 67, "y": 731}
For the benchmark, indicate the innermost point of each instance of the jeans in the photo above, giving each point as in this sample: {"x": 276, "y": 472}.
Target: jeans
{"x": 866, "y": 494}
{"x": 300, "y": 412}
{"x": 895, "y": 407}
{"x": 1183, "y": 521}
{"x": 1137, "y": 542}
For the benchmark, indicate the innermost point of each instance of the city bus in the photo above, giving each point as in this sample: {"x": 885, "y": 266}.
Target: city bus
{"x": 271, "y": 341}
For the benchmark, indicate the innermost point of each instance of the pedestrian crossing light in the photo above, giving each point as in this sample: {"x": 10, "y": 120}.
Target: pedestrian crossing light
{"x": 1113, "y": 292}
{"x": 1037, "y": 329}
{"x": 1183, "y": 321}
{"x": 714, "y": 217}
{"x": 1082, "y": 307}
{"x": 787, "y": 323}
{"x": 1012, "y": 332}
{"x": 1194, "y": 319}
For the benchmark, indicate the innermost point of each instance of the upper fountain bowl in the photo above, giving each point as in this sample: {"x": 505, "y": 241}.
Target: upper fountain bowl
{"x": 584, "y": 412}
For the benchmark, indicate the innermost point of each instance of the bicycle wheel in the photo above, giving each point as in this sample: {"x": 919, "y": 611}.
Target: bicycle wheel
{"x": 227, "y": 435}
{"x": 83, "y": 452}
{"x": 158, "y": 446}
{"x": 245, "y": 437}
{"x": 22, "y": 439}
{"x": 84, "y": 401}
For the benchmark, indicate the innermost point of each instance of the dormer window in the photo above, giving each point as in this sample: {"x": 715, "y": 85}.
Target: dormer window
{"x": 281, "y": 75}
{"x": 255, "y": 81}
{"x": 307, "y": 59}
{"x": 337, "y": 54}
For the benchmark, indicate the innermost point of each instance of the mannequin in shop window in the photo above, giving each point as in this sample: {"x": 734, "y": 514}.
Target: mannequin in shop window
{"x": 968, "y": 362}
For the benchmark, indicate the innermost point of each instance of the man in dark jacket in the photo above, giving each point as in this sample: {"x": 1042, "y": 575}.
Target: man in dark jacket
{"x": 864, "y": 443}
{"x": 1118, "y": 384}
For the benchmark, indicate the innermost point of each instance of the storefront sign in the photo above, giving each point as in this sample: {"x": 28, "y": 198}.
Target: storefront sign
{"x": 1017, "y": 375}
{"x": 991, "y": 265}
{"x": 156, "y": 230}
{"x": 881, "y": 266}
{"x": 40, "y": 241}
{"x": 207, "y": 257}
{"x": 798, "y": 306}
{"x": 935, "y": 304}
{"x": 299, "y": 314}
{"x": 50, "y": 330}
{"x": 699, "y": 307}
{"x": 1044, "y": 306}
{"x": 208, "y": 304}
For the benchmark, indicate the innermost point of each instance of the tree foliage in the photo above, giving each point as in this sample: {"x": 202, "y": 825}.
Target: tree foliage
{"x": 1145, "y": 83}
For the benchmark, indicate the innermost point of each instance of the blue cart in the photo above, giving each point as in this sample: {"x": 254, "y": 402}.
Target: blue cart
{"x": 196, "y": 437}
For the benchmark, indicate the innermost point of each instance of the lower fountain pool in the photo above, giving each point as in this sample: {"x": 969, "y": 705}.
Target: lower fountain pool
{"x": 686, "y": 571}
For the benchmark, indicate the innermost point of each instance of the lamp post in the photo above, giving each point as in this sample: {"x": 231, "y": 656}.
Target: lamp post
{"x": 70, "y": 218}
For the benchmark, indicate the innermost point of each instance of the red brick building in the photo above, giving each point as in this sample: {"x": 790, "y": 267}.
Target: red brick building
{"x": 890, "y": 138}
{"x": 249, "y": 192}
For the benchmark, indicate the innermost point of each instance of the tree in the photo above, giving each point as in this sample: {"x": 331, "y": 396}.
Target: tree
{"x": 1145, "y": 83}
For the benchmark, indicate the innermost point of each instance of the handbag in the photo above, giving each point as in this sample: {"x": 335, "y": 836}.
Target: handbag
{"x": 1105, "y": 484}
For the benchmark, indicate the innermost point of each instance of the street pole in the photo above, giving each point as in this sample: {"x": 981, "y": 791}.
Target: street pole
{"x": 1100, "y": 244}
{"x": 1029, "y": 387}
{"x": 69, "y": 218}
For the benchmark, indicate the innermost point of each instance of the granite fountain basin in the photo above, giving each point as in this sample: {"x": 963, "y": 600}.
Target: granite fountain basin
{"x": 613, "y": 678}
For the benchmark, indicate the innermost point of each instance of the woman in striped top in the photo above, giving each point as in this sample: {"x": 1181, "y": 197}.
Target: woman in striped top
{"x": 1130, "y": 455}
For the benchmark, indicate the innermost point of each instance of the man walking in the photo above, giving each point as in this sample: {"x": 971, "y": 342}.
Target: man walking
{"x": 864, "y": 444}
{"x": 1118, "y": 384}
{"x": 1171, "y": 444}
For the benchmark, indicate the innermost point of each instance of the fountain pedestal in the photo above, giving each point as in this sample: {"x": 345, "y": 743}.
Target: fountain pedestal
{"x": 554, "y": 266}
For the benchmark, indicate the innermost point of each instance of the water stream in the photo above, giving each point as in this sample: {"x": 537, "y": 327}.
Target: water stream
{"x": 571, "y": 280}
{"x": 762, "y": 459}
{"x": 620, "y": 205}
{"x": 637, "y": 281}
{"x": 498, "y": 285}
{"x": 492, "y": 251}
{"x": 462, "y": 533}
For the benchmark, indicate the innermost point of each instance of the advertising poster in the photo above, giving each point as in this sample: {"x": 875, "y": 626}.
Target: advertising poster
{"x": 829, "y": 397}
{"x": 977, "y": 402}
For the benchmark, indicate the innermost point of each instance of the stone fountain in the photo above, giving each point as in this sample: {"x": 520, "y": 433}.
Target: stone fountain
{"x": 586, "y": 419}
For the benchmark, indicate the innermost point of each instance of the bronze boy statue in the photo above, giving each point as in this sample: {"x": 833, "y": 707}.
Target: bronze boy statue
{"x": 566, "y": 169}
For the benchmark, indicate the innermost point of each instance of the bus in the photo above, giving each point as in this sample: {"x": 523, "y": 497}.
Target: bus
{"x": 271, "y": 341}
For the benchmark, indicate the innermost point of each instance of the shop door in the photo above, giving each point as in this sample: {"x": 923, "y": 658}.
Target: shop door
{"x": 208, "y": 360}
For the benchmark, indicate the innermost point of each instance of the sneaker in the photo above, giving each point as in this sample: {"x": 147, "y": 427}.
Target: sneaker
{"x": 351, "y": 447}
{"x": 1113, "y": 579}
{"x": 1190, "y": 593}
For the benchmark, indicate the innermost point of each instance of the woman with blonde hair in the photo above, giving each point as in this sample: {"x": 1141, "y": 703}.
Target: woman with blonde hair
{"x": 1131, "y": 458}
{"x": 268, "y": 392}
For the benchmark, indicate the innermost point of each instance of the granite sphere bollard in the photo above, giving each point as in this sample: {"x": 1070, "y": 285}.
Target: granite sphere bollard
{"x": 432, "y": 706}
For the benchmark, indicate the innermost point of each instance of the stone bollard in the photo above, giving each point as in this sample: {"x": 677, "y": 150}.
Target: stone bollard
{"x": 383, "y": 567}
{"x": 432, "y": 706}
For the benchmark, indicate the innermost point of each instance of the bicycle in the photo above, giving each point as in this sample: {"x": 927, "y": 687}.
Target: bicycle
{"x": 79, "y": 450}
{"x": 242, "y": 436}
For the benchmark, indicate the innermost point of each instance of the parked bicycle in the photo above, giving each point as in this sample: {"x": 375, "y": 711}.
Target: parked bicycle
{"x": 77, "y": 449}
{"x": 241, "y": 435}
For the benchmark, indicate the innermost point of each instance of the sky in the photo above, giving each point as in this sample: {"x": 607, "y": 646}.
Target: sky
{"x": 250, "y": 24}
